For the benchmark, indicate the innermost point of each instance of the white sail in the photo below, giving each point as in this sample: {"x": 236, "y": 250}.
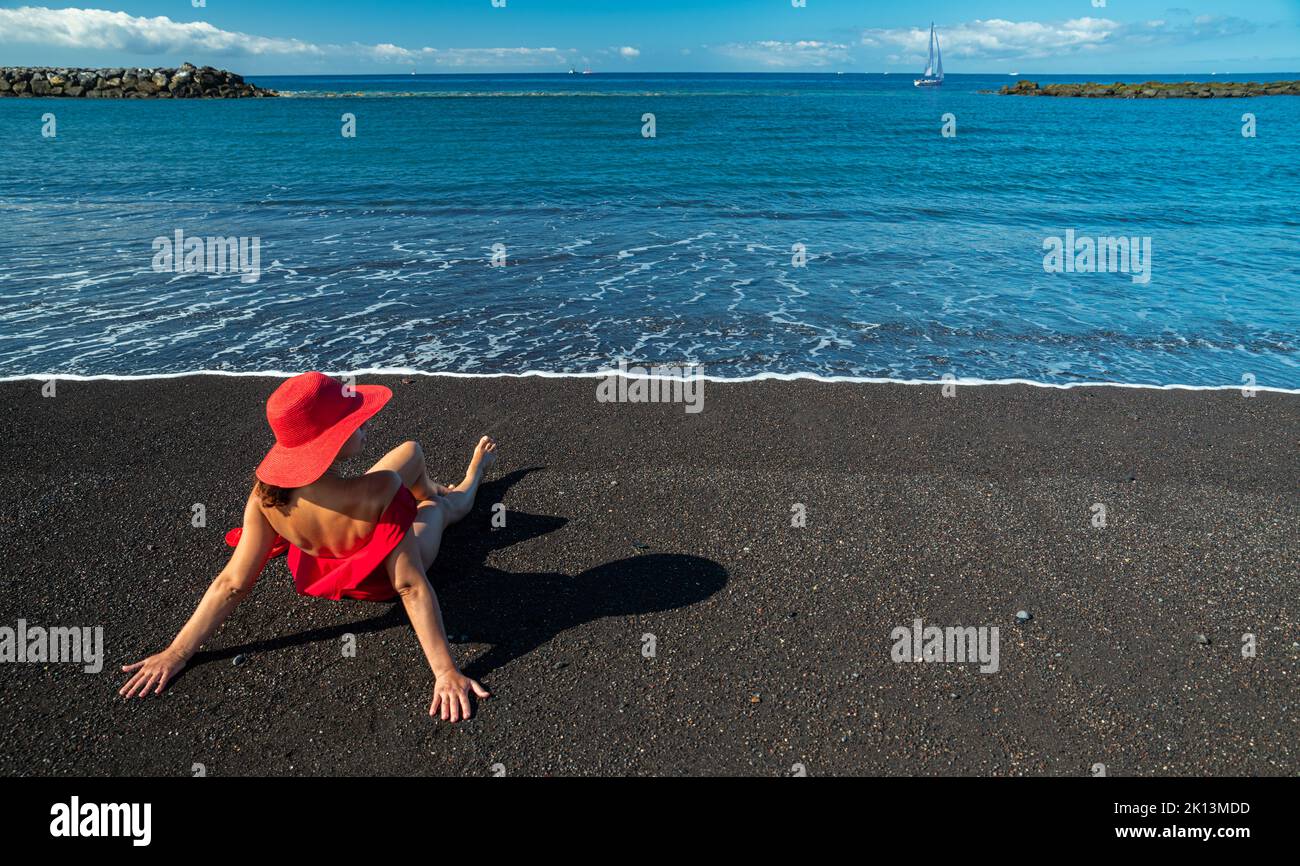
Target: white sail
{"x": 929, "y": 63}
{"x": 937, "y": 53}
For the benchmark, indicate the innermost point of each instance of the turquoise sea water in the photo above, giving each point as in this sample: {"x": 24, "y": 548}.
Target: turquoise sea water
{"x": 924, "y": 254}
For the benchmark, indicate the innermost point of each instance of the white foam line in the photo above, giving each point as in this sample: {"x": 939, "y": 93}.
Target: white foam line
{"x": 544, "y": 374}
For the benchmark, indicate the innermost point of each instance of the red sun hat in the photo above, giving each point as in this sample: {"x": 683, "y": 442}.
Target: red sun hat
{"x": 312, "y": 415}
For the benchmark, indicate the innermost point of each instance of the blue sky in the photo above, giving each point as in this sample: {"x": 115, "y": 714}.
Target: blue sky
{"x": 298, "y": 36}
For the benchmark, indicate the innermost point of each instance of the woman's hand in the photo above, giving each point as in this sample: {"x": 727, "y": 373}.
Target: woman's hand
{"x": 451, "y": 695}
{"x": 231, "y": 586}
{"x": 153, "y": 671}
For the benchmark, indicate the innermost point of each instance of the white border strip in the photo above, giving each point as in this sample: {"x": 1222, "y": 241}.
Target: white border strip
{"x": 543, "y": 374}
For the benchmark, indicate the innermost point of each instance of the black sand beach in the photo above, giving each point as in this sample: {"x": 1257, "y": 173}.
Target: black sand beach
{"x": 772, "y": 641}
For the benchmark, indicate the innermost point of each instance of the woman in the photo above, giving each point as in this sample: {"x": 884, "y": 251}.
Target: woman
{"x": 370, "y": 538}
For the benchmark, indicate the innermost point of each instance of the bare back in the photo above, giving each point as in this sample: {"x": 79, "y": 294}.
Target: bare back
{"x": 334, "y": 516}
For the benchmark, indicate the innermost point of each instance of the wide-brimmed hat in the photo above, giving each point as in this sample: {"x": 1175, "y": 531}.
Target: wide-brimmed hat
{"x": 312, "y": 415}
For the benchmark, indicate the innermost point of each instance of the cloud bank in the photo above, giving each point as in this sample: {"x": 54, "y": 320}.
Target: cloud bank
{"x": 99, "y": 29}
{"x": 996, "y": 38}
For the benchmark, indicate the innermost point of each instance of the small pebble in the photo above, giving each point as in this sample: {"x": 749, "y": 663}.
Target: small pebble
{"x": 1023, "y": 616}
{"x": 239, "y": 660}
{"x": 560, "y": 665}
{"x": 1202, "y": 640}
{"x": 754, "y": 699}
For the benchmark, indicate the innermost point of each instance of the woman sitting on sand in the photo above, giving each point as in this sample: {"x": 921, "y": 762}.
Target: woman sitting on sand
{"x": 370, "y": 538}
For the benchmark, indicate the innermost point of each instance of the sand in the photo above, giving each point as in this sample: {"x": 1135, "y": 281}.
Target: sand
{"x": 637, "y": 525}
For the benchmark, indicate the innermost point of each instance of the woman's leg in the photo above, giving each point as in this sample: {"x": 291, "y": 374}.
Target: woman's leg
{"x": 435, "y": 513}
{"x": 459, "y": 500}
{"x": 407, "y": 460}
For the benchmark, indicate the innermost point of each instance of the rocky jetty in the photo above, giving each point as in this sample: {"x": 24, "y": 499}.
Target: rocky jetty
{"x": 184, "y": 82}
{"x": 1157, "y": 89}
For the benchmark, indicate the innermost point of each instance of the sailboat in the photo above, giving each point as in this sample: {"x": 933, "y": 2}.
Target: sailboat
{"x": 933, "y": 75}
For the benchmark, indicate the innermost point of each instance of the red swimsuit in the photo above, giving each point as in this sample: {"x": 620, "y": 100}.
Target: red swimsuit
{"x": 360, "y": 574}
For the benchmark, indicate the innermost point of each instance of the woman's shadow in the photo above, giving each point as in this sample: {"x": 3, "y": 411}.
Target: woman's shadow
{"x": 516, "y": 612}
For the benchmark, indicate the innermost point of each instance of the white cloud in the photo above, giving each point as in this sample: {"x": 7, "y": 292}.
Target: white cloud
{"x": 997, "y": 38}
{"x": 786, "y": 54}
{"x": 629, "y": 52}
{"x": 118, "y": 31}
{"x": 100, "y": 29}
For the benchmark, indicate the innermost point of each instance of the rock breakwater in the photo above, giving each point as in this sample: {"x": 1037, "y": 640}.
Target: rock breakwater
{"x": 186, "y": 81}
{"x": 1156, "y": 89}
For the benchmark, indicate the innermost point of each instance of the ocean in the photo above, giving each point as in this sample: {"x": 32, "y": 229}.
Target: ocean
{"x": 772, "y": 225}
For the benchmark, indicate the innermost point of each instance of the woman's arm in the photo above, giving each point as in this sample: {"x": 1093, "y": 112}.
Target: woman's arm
{"x": 451, "y": 688}
{"x": 231, "y": 586}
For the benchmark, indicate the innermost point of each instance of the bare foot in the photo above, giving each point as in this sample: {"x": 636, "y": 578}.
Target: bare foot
{"x": 485, "y": 454}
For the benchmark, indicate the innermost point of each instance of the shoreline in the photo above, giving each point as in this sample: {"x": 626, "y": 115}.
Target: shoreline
{"x": 773, "y": 640}
{"x": 601, "y": 374}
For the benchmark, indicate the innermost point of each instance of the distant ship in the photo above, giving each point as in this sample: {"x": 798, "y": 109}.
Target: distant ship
{"x": 572, "y": 71}
{"x": 587, "y": 71}
{"x": 933, "y": 75}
